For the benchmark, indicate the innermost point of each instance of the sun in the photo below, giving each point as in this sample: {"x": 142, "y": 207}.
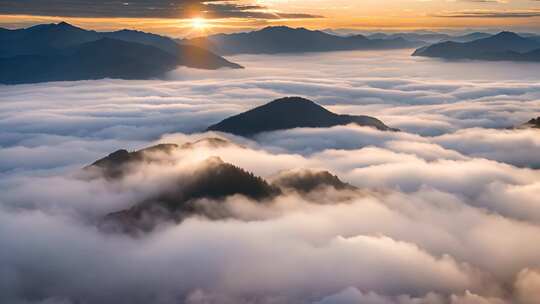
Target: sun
{"x": 198, "y": 23}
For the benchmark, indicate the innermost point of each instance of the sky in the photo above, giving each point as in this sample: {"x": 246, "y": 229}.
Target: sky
{"x": 446, "y": 211}
{"x": 174, "y": 17}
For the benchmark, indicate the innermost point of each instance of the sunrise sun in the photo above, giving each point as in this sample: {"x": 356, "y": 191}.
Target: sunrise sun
{"x": 199, "y": 23}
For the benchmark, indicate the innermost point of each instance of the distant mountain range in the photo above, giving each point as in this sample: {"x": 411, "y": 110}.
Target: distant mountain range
{"x": 503, "y": 46}
{"x": 63, "y": 52}
{"x": 430, "y": 37}
{"x": 288, "y": 113}
{"x": 56, "y": 52}
{"x": 213, "y": 179}
{"x": 282, "y": 39}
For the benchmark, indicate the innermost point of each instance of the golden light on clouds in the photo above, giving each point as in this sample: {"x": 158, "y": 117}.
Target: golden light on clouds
{"x": 199, "y": 23}
{"x": 244, "y": 15}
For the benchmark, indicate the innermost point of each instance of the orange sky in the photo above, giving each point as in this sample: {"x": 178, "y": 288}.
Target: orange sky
{"x": 521, "y": 15}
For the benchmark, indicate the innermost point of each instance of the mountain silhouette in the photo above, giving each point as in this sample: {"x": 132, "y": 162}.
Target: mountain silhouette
{"x": 288, "y": 113}
{"x": 44, "y": 38}
{"x": 533, "y": 123}
{"x": 120, "y": 162}
{"x": 430, "y": 37}
{"x": 214, "y": 180}
{"x": 104, "y": 58}
{"x": 309, "y": 180}
{"x": 283, "y": 39}
{"x": 503, "y": 46}
{"x": 467, "y": 37}
{"x": 116, "y": 164}
{"x": 188, "y": 194}
{"x": 58, "y": 52}
{"x": 420, "y": 37}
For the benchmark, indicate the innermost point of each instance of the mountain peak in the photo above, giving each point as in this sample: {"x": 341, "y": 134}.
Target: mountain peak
{"x": 304, "y": 180}
{"x": 535, "y": 122}
{"x": 66, "y": 26}
{"x": 507, "y": 35}
{"x": 293, "y": 99}
{"x": 502, "y": 46}
{"x": 288, "y": 113}
{"x": 292, "y": 105}
{"x": 280, "y": 28}
{"x": 60, "y": 27}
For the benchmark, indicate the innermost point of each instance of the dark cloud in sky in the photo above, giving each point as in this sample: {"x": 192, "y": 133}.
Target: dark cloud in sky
{"x": 491, "y": 13}
{"x": 142, "y": 9}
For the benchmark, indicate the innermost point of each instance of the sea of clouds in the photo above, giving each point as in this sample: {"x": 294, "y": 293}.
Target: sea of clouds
{"x": 447, "y": 211}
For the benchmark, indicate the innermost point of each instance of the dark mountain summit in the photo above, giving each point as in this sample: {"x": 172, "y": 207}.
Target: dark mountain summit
{"x": 282, "y": 39}
{"x": 309, "y": 180}
{"x": 533, "y": 123}
{"x": 503, "y": 46}
{"x": 288, "y": 113}
{"x": 214, "y": 180}
{"x": 50, "y": 37}
{"x": 468, "y": 37}
{"x": 104, "y": 58}
{"x": 58, "y": 52}
{"x": 43, "y": 39}
{"x": 117, "y": 164}
{"x": 430, "y": 37}
{"x": 198, "y": 192}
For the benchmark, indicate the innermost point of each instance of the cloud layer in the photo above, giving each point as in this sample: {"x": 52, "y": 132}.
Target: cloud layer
{"x": 446, "y": 211}
{"x": 145, "y": 9}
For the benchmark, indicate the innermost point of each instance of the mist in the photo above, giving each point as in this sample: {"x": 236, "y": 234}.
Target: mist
{"x": 444, "y": 212}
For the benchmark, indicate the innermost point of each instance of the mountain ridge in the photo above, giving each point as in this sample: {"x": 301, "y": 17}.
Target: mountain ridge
{"x": 502, "y": 46}
{"x": 288, "y": 113}
{"x": 283, "y": 39}
{"x": 188, "y": 193}
{"x": 63, "y": 52}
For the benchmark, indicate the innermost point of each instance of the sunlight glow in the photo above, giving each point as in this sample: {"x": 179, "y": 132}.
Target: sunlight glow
{"x": 198, "y": 23}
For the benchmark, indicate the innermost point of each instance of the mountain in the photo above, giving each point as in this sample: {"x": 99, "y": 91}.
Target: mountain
{"x": 282, "y": 39}
{"x": 532, "y": 36}
{"x": 188, "y": 194}
{"x": 62, "y": 52}
{"x": 104, "y": 58}
{"x": 533, "y": 123}
{"x": 420, "y": 37}
{"x": 214, "y": 180}
{"x": 469, "y": 37}
{"x": 44, "y": 38}
{"x": 288, "y": 113}
{"x": 430, "y": 37}
{"x": 503, "y": 46}
{"x": 118, "y": 163}
{"x": 305, "y": 181}
{"x": 164, "y": 43}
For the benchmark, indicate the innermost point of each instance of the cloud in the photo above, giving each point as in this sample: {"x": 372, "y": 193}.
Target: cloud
{"x": 436, "y": 227}
{"x": 484, "y": 1}
{"x": 145, "y": 9}
{"x": 532, "y": 13}
{"x": 446, "y": 211}
{"x": 528, "y": 285}
{"x": 353, "y": 295}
